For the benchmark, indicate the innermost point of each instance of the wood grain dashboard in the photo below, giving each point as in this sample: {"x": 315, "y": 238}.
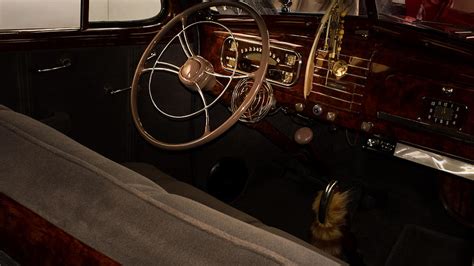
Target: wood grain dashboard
{"x": 402, "y": 84}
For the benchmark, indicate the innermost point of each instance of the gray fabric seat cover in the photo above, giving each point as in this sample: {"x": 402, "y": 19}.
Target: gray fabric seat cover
{"x": 123, "y": 214}
{"x": 172, "y": 185}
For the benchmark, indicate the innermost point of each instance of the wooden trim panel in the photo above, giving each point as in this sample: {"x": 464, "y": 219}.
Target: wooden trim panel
{"x": 405, "y": 70}
{"x": 31, "y": 240}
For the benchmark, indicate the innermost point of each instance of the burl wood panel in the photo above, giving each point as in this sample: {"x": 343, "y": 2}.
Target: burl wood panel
{"x": 406, "y": 66}
{"x": 298, "y": 32}
{"x": 457, "y": 195}
{"x": 31, "y": 240}
{"x": 412, "y": 70}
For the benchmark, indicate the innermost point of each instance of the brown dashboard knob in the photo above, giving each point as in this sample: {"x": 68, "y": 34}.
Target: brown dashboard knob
{"x": 303, "y": 135}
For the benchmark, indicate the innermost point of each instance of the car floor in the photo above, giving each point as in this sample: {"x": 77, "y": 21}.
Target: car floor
{"x": 389, "y": 195}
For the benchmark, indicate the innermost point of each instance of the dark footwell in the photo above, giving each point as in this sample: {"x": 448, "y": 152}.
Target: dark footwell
{"x": 392, "y": 195}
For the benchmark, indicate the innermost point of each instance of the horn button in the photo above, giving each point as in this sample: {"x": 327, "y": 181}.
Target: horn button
{"x": 196, "y": 74}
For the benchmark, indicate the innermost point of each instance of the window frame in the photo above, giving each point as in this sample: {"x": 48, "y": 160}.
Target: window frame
{"x": 93, "y": 33}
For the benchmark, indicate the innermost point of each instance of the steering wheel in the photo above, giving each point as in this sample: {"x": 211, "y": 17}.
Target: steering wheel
{"x": 197, "y": 73}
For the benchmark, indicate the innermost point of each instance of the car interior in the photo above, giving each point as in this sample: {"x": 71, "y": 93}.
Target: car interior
{"x": 159, "y": 132}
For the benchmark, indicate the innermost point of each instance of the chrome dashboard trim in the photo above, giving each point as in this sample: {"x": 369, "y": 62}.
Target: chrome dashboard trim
{"x": 272, "y": 46}
{"x": 434, "y": 160}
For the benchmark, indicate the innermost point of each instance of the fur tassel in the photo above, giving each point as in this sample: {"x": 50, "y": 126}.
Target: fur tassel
{"x": 328, "y": 236}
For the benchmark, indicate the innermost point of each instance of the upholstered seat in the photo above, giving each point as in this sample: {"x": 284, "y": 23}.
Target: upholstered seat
{"x": 127, "y": 216}
{"x": 172, "y": 185}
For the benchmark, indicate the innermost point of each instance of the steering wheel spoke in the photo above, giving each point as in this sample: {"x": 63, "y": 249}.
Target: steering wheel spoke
{"x": 183, "y": 40}
{"x": 207, "y": 127}
{"x": 237, "y": 76}
{"x": 162, "y": 66}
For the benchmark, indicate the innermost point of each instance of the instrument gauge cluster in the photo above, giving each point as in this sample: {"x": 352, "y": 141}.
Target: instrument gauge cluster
{"x": 283, "y": 66}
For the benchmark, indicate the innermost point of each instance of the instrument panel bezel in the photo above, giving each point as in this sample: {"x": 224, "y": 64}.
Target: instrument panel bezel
{"x": 299, "y": 60}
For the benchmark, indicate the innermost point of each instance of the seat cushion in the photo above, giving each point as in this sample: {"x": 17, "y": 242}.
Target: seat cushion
{"x": 123, "y": 214}
{"x": 172, "y": 185}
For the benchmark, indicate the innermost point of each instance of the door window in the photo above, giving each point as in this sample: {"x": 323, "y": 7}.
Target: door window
{"x": 123, "y": 10}
{"x": 39, "y": 14}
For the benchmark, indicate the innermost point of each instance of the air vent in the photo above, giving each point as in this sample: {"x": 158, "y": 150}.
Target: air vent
{"x": 345, "y": 92}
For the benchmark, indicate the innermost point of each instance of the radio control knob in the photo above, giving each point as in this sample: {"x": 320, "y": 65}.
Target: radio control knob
{"x": 299, "y": 107}
{"x": 317, "y": 110}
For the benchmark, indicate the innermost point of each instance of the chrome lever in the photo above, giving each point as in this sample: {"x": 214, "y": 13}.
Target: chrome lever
{"x": 112, "y": 91}
{"x": 64, "y": 63}
{"x": 152, "y": 54}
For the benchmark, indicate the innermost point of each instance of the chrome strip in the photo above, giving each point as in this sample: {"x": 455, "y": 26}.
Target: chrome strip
{"x": 335, "y": 89}
{"x": 335, "y": 98}
{"x": 354, "y": 66}
{"x": 340, "y": 81}
{"x": 348, "y": 74}
{"x": 38, "y": 30}
{"x": 258, "y": 40}
{"x": 436, "y": 161}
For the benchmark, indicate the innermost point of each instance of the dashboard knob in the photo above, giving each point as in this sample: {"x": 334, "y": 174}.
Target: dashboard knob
{"x": 299, "y": 107}
{"x": 331, "y": 116}
{"x": 317, "y": 110}
{"x": 366, "y": 126}
{"x": 303, "y": 135}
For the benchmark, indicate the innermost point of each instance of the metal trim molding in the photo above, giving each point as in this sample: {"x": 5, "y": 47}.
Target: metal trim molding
{"x": 436, "y": 161}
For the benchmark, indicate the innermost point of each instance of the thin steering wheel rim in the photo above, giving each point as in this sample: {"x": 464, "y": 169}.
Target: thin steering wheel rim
{"x": 259, "y": 77}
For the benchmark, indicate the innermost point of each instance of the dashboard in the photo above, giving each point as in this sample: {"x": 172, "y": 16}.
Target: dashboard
{"x": 398, "y": 87}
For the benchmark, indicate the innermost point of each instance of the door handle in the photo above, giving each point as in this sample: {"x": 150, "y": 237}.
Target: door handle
{"x": 63, "y": 63}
